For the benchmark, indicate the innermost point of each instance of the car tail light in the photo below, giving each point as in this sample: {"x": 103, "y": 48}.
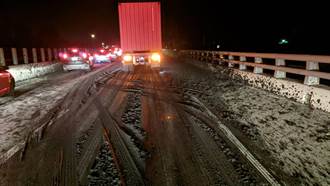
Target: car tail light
{"x": 65, "y": 56}
{"x": 74, "y": 50}
{"x": 118, "y": 52}
{"x": 90, "y": 58}
{"x": 102, "y": 50}
{"x": 128, "y": 58}
{"x": 155, "y": 57}
{"x": 84, "y": 55}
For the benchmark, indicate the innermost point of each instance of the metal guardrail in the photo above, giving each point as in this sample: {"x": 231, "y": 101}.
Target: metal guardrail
{"x": 38, "y": 55}
{"x": 311, "y": 71}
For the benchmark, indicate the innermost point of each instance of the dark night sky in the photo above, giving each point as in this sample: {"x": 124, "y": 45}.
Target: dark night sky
{"x": 186, "y": 24}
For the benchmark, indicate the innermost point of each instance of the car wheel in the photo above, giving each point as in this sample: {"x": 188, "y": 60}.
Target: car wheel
{"x": 89, "y": 69}
{"x": 12, "y": 87}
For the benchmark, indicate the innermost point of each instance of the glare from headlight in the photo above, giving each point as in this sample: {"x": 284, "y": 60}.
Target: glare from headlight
{"x": 155, "y": 57}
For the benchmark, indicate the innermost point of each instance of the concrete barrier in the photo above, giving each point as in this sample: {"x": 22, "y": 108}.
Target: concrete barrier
{"x": 33, "y": 70}
{"x": 315, "y": 96}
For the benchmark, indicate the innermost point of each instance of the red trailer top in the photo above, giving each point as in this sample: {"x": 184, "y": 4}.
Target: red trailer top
{"x": 140, "y": 26}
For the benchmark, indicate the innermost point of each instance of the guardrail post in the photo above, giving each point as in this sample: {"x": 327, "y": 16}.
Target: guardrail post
{"x": 241, "y": 66}
{"x": 311, "y": 80}
{"x": 2, "y": 58}
{"x": 50, "y": 56}
{"x": 35, "y": 55}
{"x": 55, "y": 53}
{"x": 230, "y": 58}
{"x": 203, "y": 56}
{"x": 43, "y": 57}
{"x": 258, "y": 70}
{"x": 278, "y": 73}
{"x": 14, "y": 55}
{"x": 220, "y": 58}
{"x": 25, "y": 56}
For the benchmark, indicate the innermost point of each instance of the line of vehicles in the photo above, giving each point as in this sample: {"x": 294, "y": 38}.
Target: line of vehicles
{"x": 140, "y": 38}
{"x": 83, "y": 59}
{"x": 72, "y": 59}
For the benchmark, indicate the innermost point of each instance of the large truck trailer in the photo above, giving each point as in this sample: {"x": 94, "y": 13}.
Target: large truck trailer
{"x": 140, "y": 34}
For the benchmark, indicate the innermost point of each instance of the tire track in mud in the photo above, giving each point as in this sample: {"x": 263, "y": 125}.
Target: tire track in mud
{"x": 213, "y": 146}
{"x": 59, "y": 136}
{"x": 217, "y": 147}
{"x": 172, "y": 160}
{"x": 128, "y": 167}
{"x": 208, "y": 122}
{"x": 110, "y": 91}
{"x": 125, "y": 141}
{"x": 132, "y": 116}
{"x": 89, "y": 93}
{"x": 104, "y": 170}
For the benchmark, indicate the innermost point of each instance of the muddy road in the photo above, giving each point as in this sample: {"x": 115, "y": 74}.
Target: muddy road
{"x": 147, "y": 127}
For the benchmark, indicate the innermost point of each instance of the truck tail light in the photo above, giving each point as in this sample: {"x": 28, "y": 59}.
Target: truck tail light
{"x": 128, "y": 58}
{"x": 155, "y": 57}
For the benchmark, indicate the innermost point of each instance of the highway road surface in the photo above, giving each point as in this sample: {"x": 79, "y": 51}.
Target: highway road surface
{"x": 168, "y": 126}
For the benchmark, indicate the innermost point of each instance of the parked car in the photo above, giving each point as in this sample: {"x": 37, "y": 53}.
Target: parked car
{"x": 7, "y": 82}
{"x": 75, "y": 59}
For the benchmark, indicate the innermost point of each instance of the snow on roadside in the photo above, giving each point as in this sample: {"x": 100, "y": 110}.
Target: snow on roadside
{"x": 19, "y": 117}
{"x": 23, "y": 114}
{"x": 297, "y": 136}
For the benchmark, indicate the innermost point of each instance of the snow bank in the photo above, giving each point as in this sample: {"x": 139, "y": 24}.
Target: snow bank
{"x": 33, "y": 70}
